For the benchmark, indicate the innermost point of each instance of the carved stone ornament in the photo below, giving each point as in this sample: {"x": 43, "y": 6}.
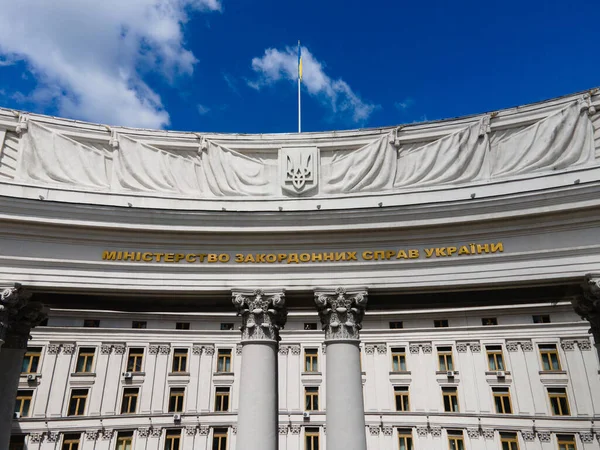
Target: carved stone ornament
{"x": 473, "y": 433}
{"x": 295, "y": 349}
{"x": 528, "y": 435}
{"x": 295, "y": 429}
{"x": 426, "y": 348}
{"x": 422, "y": 431}
{"x": 568, "y": 345}
{"x": 209, "y": 350}
{"x": 369, "y": 349}
{"x": 341, "y": 313}
{"x": 284, "y": 349}
{"x": 584, "y": 344}
{"x": 68, "y": 349}
{"x": 586, "y": 437}
{"x": 544, "y": 436}
{"x": 588, "y": 304}
{"x": 238, "y": 349}
{"x": 461, "y": 347}
{"x": 374, "y": 430}
{"x": 36, "y": 438}
{"x": 52, "y": 436}
{"x": 234, "y": 429}
{"x": 283, "y": 429}
{"x": 381, "y": 349}
{"x": 18, "y": 316}
{"x": 526, "y": 346}
{"x": 196, "y": 350}
{"x": 143, "y": 432}
{"x": 53, "y": 349}
{"x": 155, "y": 432}
{"x": 105, "y": 349}
{"x": 436, "y": 431}
{"x": 388, "y": 431}
{"x": 119, "y": 349}
{"x": 164, "y": 349}
{"x": 91, "y": 435}
{"x": 299, "y": 169}
{"x": 203, "y": 430}
{"x": 263, "y": 314}
{"x": 153, "y": 350}
{"x": 190, "y": 431}
{"x": 512, "y": 346}
{"x": 106, "y": 434}
{"x": 324, "y": 348}
{"x": 488, "y": 434}
{"x": 475, "y": 347}
{"x": 414, "y": 349}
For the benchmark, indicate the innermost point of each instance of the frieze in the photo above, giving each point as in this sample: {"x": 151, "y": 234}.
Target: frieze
{"x": 341, "y": 312}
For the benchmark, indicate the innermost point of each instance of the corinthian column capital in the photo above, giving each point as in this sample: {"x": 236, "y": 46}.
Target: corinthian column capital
{"x": 341, "y": 312}
{"x": 18, "y": 315}
{"x": 587, "y": 305}
{"x": 263, "y": 313}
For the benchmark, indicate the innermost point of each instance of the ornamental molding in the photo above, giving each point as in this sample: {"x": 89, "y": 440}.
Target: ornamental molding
{"x": 413, "y": 348}
{"x": 203, "y": 430}
{"x": 92, "y": 435}
{"x": 196, "y": 350}
{"x": 381, "y": 349}
{"x": 475, "y": 347}
{"x": 52, "y": 436}
{"x": 53, "y": 349}
{"x": 422, "y": 431}
{"x": 106, "y": 434}
{"x": 528, "y": 435}
{"x": 436, "y": 431}
{"x": 190, "y": 431}
{"x": 388, "y": 431}
{"x": 36, "y": 438}
{"x": 209, "y": 350}
{"x": 283, "y": 429}
{"x": 234, "y": 429}
{"x": 153, "y": 350}
{"x": 295, "y": 429}
{"x": 461, "y": 347}
{"x": 374, "y": 430}
{"x": 341, "y": 312}
{"x": 263, "y": 314}
{"x": 513, "y": 346}
{"x": 105, "y": 349}
{"x": 488, "y": 433}
{"x": 295, "y": 349}
{"x": 68, "y": 349}
{"x": 284, "y": 349}
{"x": 238, "y": 349}
{"x": 473, "y": 433}
{"x": 18, "y": 315}
{"x": 119, "y": 349}
{"x": 426, "y": 348}
{"x": 584, "y": 345}
{"x": 143, "y": 432}
{"x": 568, "y": 345}
{"x": 369, "y": 349}
{"x": 544, "y": 436}
{"x": 164, "y": 349}
{"x": 155, "y": 432}
{"x": 586, "y": 437}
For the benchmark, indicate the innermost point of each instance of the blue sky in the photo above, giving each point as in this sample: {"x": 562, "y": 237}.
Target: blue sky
{"x": 229, "y": 65}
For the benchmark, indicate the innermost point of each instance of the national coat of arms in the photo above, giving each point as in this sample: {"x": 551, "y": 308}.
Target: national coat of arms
{"x": 299, "y": 169}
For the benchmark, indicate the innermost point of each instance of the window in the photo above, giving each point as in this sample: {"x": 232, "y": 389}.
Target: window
{"x": 440, "y": 323}
{"x": 85, "y": 360}
{"x": 31, "y": 360}
{"x": 566, "y": 442}
{"x": 509, "y": 441}
{"x": 559, "y": 401}
{"x": 182, "y": 326}
{"x": 502, "y": 400}
{"x": 224, "y": 361}
{"x": 401, "y": 396}
{"x": 396, "y": 325}
{"x": 17, "y": 443}
{"x": 222, "y": 399}
{"x": 542, "y": 318}
{"x": 71, "y": 442}
{"x": 495, "y": 358}
{"x": 180, "y": 360}
{"x": 405, "y": 440}
{"x": 549, "y": 355}
{"x": 311, "y": 437}
{"x": 135, "y": 359}
{"x": 398, "y": 359}
{"x": 450, "y": 396}
{"x": 311, "y": 396}
{"x": 77, "y": 402}
{"x": 139, "y": 324}
{"x": 23, "y": 403}
{"x": 310, "y": 326}
{"x": 219, "y": 439}
{"x": 173, "y": 439}
{"x": 489, "y": 321}
{"x": 91, "y": 323}
{"x": 311, "y": 360}
{"x": 130, "y": 398}
{"x": 445, "y": 358}
{"x": 227, "y": 326}
{"x": 455, "y": 440}
{"x": 124, "y": 440}
{"x": 176, "y": 399}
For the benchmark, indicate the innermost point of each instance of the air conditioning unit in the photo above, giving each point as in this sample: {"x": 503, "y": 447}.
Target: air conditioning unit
{"x": 31, "y": 377}
{"x": 17, "y": 415}
{"x": 501, "y": 374}
{"x": 128, "y": 375}
{"x": 306, "y": 415}
{"x": 450, "y": 374}
{"x": 177, "y": 417}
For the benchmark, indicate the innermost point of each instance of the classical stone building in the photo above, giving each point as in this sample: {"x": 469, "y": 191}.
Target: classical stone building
{"x": 431, "y": 286}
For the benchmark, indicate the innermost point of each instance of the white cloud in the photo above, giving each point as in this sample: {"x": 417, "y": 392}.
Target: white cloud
{"x": 276, "y": 65}
{"x": 89, "y": 56}
{"x": 404, "y": 104}
{"x": 202, "y": 109}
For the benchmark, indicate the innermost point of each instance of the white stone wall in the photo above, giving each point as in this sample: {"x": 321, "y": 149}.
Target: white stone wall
{"x": 515, "y": 332}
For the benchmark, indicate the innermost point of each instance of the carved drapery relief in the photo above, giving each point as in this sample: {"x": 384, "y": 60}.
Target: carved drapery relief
{"x": 341, "y": 313}
{"x": 263, "y": 314}
{"x": 18, "y": 316}
{"x": 588, "y": 304}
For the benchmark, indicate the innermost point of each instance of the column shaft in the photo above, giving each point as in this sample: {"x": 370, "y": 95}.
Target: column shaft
{"x": 11, "y": 360}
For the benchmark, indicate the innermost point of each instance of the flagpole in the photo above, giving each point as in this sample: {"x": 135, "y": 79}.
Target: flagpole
{"x": 299, "y": 81}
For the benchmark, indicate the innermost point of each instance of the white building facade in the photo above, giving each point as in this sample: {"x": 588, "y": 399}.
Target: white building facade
{"x": 430, "y": 286}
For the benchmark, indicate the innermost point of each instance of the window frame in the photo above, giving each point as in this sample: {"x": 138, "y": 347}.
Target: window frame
{"x": 457, "y": 438}
{"x": 541, "y": 318}
{"x": 444, "y": 354}
{"x": 313, "y": 357}
{"x": 139, "y": 324}
{"x": 220, "y": 434}
{"x": 31, "y": 353}
{"x": 177, "y": 397}
{"x": 135, "y": 354}
{"x": 91, "y": 323}
{"x": 70, "y": 439}
{"x": 406, "y": 436}
{"x": 180, "y": 357}
{"x": 183, "y": 325}
{"x": 23, "y": 396}
{"x": 222, "y": 396}
{"x": 450, "y": 392}
{"x": 130, "y": 394}
{"x": 402, "y": 393}
{"x": 400, "y": 354}
{"x": 502, "y": 394}
{"x": 510, "y": 439}
{"x": 566, "y": 442}
{"x": 312, "y": 434}
{"x": 124, "y": 438}
{"x": 396, "y": 324}
{"x": 86, "y": 353}
{"x": 557, "y": 396}
{"x": 489, "y": 321}
{"x": 311, "y": 398}
{"x": 441, "y": 323}
{"x": 495, "y": 351}
{"x": 77, "y": 397}
{"x": 548, "y": 351}
{"x": 224, "y": 355}
{"x": 174, "y": 436}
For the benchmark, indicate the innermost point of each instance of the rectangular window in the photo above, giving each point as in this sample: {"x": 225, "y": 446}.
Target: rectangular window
{"x": 222, "y": 399}
{"x": 226, "y": 326}
{"x": 310, "y": 326}
{"x": 455, "y": 440}
{"x": 31, "y": 360}
{"x": 396, "y": 324}
{"x": 405, "y": 441}
{"x": 130, "y": 398}
{"x": 219, "y": 439}
{"x": 224, "y": 361}
{"x": 559, "y": 401}
{"x": 23, "y": 403}
{"x": 502, "y": 400}
{"x": 16, "y": 443}
{"x": 135, "y": 360}
{"x": 311, "y": 360}
{"x": 311, "y": 438}
{"x": 311, "y": 396}
{"x": 442, "y": 323}
{"x": 182, "y": 326}
{"x": 85, "y": 360}
{"x": 180, "y": 360}
{"x": 509, "y": 441}
{"x": 124, "y": 440}
{"x": 549, "y": 355}
{"x": 541, "y": 318}
{"x": 495, "y": 358}
{"x": 172, "y": 440}
{"x": 91, "y": 323}
{"x": 445, "y": 358}
{"x": 489, "y": 321}
{"x": 77, "y": 402}
{"x": 398, "y": 359}
{"x": 566, "y": 442}
{"x": 450, "y": 396}
{"x": 139, "y": 324}
{"x": 176, "y": 399}
{"x": 71, "y": 442}
{"x": 401, "y": 396}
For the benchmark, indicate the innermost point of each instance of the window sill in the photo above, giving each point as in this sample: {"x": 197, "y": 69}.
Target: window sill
{"x": 400, "y": 372}
{"x": 494, "y": 373}
{"x": 445, "y": 372}
{"x": 552, "y": 372}
{"x": 179, "y": 374}
{"x": 83, "y": 374}
{"x": 222, "y": 374}
{"x": 304, "y": 374}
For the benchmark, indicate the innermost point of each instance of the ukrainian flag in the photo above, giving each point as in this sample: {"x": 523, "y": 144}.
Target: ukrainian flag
{"x": 299, "y": 62}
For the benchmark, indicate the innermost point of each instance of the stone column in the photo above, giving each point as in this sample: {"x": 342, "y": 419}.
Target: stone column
{"x": 341, "y": 315}
{"x": 263, "y": 315}
{"x": 588, "y": 305}
{"x": 17, "y": 316}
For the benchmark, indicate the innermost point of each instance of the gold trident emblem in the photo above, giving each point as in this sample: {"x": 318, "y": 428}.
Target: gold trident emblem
{"x": 298, "y": 175}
